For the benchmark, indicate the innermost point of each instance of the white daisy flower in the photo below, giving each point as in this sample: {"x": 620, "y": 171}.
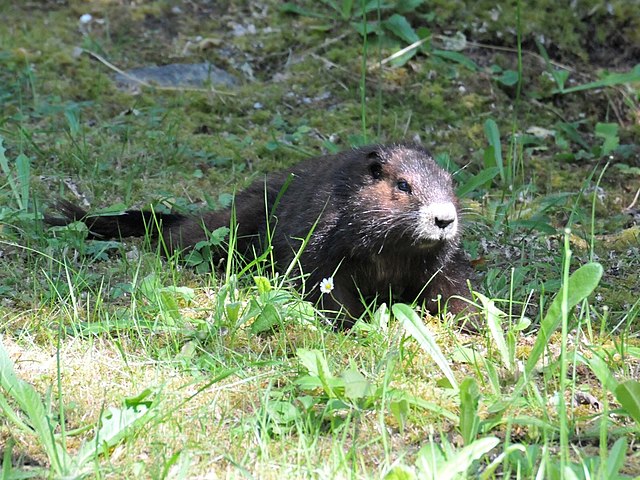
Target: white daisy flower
{"x": 326, "y": 285}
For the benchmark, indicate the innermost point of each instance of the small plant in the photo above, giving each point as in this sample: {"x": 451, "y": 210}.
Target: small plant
{"x": 17, "y": 175}
{"x": 201, "y": 256}
{"x": 440, "y": 460}
{"x": 36, "y": 418}
{"x": 560, "y": 76}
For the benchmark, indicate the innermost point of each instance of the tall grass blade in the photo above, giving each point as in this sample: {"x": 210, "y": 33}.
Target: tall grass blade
{"x": 493, "y": 316}
{"x": 13, "y": 184}
{"x": 23, "y": 168}
{"x": 493, "y": 137}
{"x": 32, "y": 406}
{"x": 412, "y": 323}
{"x": 469, "y": 419}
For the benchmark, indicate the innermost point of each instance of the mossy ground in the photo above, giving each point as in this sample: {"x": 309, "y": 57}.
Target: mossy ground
{"x": 300, "y": 95}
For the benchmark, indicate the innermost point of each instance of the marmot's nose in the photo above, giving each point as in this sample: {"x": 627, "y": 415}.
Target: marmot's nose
{"x": 443, "y": 221}
{"x": 438, "y": 221}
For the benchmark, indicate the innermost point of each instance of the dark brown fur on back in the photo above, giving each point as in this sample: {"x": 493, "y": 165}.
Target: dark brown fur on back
{"x": 383, "y": 219}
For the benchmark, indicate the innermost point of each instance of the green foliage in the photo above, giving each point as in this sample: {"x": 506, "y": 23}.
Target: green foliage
{"x": 609, "y": 134}
{"x": 469, "y": 419}
{"x": 257, "y": 380}
{"x": 442, "y": 461}
{"x": 580, "y": 285}
{"x": 35, "y": 418}
{"x": 493, "y": 154}
{"x": 18, "y": 176}
{"x": 203, "y": 252}
{"x": 607, "y": 80}
{"x": 163, "y": 302}
{"x": 412, "y": 323}
{"x": 349, "y": 388}
{"x": 628, "y": 394}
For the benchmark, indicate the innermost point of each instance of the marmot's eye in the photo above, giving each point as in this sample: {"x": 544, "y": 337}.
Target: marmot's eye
{"x": 404, "y": 186}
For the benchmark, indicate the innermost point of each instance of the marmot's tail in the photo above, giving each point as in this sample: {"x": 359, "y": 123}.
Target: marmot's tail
{"x": 132, "y": 223}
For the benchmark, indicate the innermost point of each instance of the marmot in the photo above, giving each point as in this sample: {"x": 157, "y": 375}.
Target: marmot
{"x": 379, "y": 219}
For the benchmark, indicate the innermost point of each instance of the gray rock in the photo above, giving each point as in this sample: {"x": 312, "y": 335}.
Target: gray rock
{"x": 176, "y": 75}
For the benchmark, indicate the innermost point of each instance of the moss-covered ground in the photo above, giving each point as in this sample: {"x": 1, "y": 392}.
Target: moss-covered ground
{"x": 554, "y": 87}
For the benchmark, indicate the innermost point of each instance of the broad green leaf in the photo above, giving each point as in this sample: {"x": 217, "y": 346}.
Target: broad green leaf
{"x": 217, "y": 236}
{"x": 508, "y": 78}
{"x": 458, "y": 58}
{"x": 375, "y": 5}
{"x": 232, "y": 309}
{"x": 407, "y": 6}
{"x": 194, "y": 257}
{"x": 368, "y": 28}
{"x": 609, "y": 133}
{"x": 617, "y": 457}
{"x": 355, "y": 385}
{"x": 401, "y": 28}
{"x": 345, "y": 9}
{"x": 633, "y": 351}
{"x": 489, "y": 471}
{"x": 23, "y": 169}
{"x": 186, "y": 293}
{"x": 30, "y": 403}
{"x": 462, "y": 460}
{"x": 282, "y": 412}
{"x": 559, "y": 76}
{"x": 6, "y": 169}
{"x": 601, "y": 370}
{"x": 426, "y": 405}
{"x": 570, "y": 130}
{"x": 400, "y": 411}
{"x": 400, "y": 472}
{"x": 628, "y": 394}
{"x": 117, "y": 424}
{"x": 290, "y": 7}
{"x": 412, "y": 323}
{"x": 568, "y": 474}
{"x": 316, "y": 363}
{"x": 538, "y": 223}
{"x": 148, "y": 286}
{"x": 469, "y": 400}
{"x": 481, "y": 178}
{"x": 262, "y": 283}
{"x": 268, "y": 318}
{"x": 581, "y": 283}
{"x": 430, "y": 458}
{"x": 168, "y": 306}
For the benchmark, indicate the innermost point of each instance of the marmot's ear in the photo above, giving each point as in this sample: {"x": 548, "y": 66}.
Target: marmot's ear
{"x": 375, "y": 155}
{"x": 375, "y": 163}
{"x": 376, "y": 170}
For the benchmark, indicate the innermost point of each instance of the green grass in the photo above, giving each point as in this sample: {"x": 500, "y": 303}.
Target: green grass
{"x": 115, "y": 362}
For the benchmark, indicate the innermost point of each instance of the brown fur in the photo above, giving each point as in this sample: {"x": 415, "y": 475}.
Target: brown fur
{"x": 368, "y": 210}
